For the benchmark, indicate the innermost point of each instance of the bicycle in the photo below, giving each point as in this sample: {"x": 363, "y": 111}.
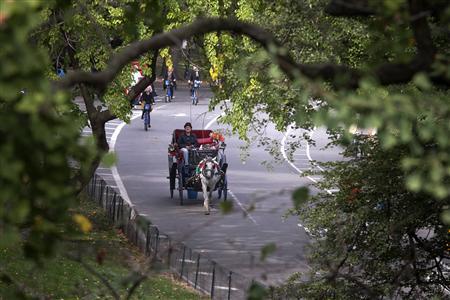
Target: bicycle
{"x": 147, "y": 109}
{"x": 168, "y": 91}
{"x": 195, "y": 88}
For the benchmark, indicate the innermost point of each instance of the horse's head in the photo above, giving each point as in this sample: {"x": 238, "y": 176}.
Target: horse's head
{"x": 209, "y": 167}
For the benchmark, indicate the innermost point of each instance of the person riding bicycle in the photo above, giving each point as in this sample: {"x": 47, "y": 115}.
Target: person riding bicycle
{"x": 147, "y": 100}
{"x": 170, "y": 83}
{"x": 194, "y": 76}
{"x": 187, "y": 141}
{"x": 194, "y": 83}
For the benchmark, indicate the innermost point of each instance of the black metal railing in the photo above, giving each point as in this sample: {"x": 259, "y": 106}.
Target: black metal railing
{"x": 196, "y": 269}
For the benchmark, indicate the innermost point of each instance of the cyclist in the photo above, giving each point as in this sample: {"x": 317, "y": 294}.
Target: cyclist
{"x": 195, "y": 88}
{"x": 170, "y": 83}
{"x": 147, "y": 101}
{"x": 194, "y": 74}
{"x": 194, "y": 83}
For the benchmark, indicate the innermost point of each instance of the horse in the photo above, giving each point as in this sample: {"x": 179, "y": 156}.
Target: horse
{"x": 210, "y": 175}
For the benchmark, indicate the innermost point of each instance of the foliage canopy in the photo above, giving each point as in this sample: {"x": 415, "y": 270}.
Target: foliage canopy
{"x": 373, "y": 64}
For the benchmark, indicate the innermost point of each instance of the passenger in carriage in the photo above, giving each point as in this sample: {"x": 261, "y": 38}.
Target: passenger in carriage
{"x": 187, "y": 141}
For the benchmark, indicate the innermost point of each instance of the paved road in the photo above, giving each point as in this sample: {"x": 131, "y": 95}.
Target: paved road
{"x": 232, "y": 240}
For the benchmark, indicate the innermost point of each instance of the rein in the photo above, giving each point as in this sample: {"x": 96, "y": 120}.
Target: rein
{"x": 201, "y": 168}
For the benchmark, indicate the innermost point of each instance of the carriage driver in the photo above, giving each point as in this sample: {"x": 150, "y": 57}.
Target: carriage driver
{"x": 187, "y": 141}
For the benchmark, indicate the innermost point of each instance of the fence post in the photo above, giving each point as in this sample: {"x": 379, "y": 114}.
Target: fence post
{"x": 157, "y": 241}
{"x": 98, "y": 187}
{"x": 136, "y": 233}
{"x": 94, "y": 186}
{"x": 120, "y": 212}
{"x": 101, "y": 194}
{"x": 190, "y": 261}
{"x": 147, "y": 241}
{"x": 128, "y": 225}
{"x": 122, "y": 218}
{"x": 182, "y": 262}
{"x": 196, "y": 270}
{"x": 229, "y": 285}
{"x": 169, "y": 254}
{"x": 213, "y": 280}
{"x": 106, "y": 202}
{"x": 89, "y": 191}
{"x": 114, "y": 207}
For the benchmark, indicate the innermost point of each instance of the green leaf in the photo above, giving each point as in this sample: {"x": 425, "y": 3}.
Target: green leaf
{"x": 300, "y": 196}
{"x": 414, "y": 182}
{"x": 393, "y": 5}
{"x": 21, "y": 211}
{"x": 256, "y": 292}
{"x": 109, "y": 159}
{"x": 445, "y": 217}
{"x": 421, "y": 81}
{"x": 226, "y": 207}
{"x": 267, "y": 250}
{"x": 8, "y": 237}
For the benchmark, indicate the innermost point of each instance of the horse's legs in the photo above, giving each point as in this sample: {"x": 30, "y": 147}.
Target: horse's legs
{"x": 206, "y": 197}
{"x": 210, "y": 195}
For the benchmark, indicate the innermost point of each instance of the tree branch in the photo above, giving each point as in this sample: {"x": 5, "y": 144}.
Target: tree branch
{"x": 444, "y": 282}
{"x": 136, "y": 284}
{"x": 138, "y": 88}
{"x": 96, "y": 274}
{"x": 146, "y": 81}
{"x": 340, "y": 76}
{"x": 136, "y": 49}
{"x": 419, "y": 12}
{"x": 362, "y": 285}
{"x": 88, "y": 102}
{"x": 349, "y": 8}
{"x": 100, "y": 80}
{"x": 22, "y": 291}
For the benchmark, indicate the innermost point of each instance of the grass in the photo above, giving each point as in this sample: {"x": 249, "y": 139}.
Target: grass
{"x": 104, "y": 250}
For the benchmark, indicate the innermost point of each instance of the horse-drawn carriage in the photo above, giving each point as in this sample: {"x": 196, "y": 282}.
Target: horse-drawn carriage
{"x": 206, "y": 170}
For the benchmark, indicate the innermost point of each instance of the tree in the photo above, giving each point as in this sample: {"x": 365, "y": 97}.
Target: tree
{"x": 82, "y": 36}
{"x": 384, "y": 65}
{"x": 39, "y": 140}
{"x": 374, "y": 238}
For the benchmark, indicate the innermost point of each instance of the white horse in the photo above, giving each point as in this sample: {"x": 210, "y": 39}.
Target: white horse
{"x": 210, "y": 174}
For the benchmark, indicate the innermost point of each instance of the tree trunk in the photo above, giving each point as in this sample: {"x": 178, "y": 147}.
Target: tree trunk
{"x": 98, "y": 119}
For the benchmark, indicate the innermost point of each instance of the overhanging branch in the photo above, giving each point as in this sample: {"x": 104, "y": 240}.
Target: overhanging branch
{"x": 339, "y": 75}
{"x": 349, "y": 8}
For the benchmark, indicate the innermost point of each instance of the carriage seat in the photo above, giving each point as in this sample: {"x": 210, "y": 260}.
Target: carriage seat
{"x": 201, "y": 134}
{"x": 205, "y": 141}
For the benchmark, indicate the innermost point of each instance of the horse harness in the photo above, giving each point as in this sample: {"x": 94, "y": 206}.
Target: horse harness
{"x": 201, "y": 168}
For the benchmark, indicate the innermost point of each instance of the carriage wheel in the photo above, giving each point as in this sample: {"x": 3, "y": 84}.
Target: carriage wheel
{"x": 225, "y": 189}
{"x": 172, "y": 177}
{"x": 180, "y": 185}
